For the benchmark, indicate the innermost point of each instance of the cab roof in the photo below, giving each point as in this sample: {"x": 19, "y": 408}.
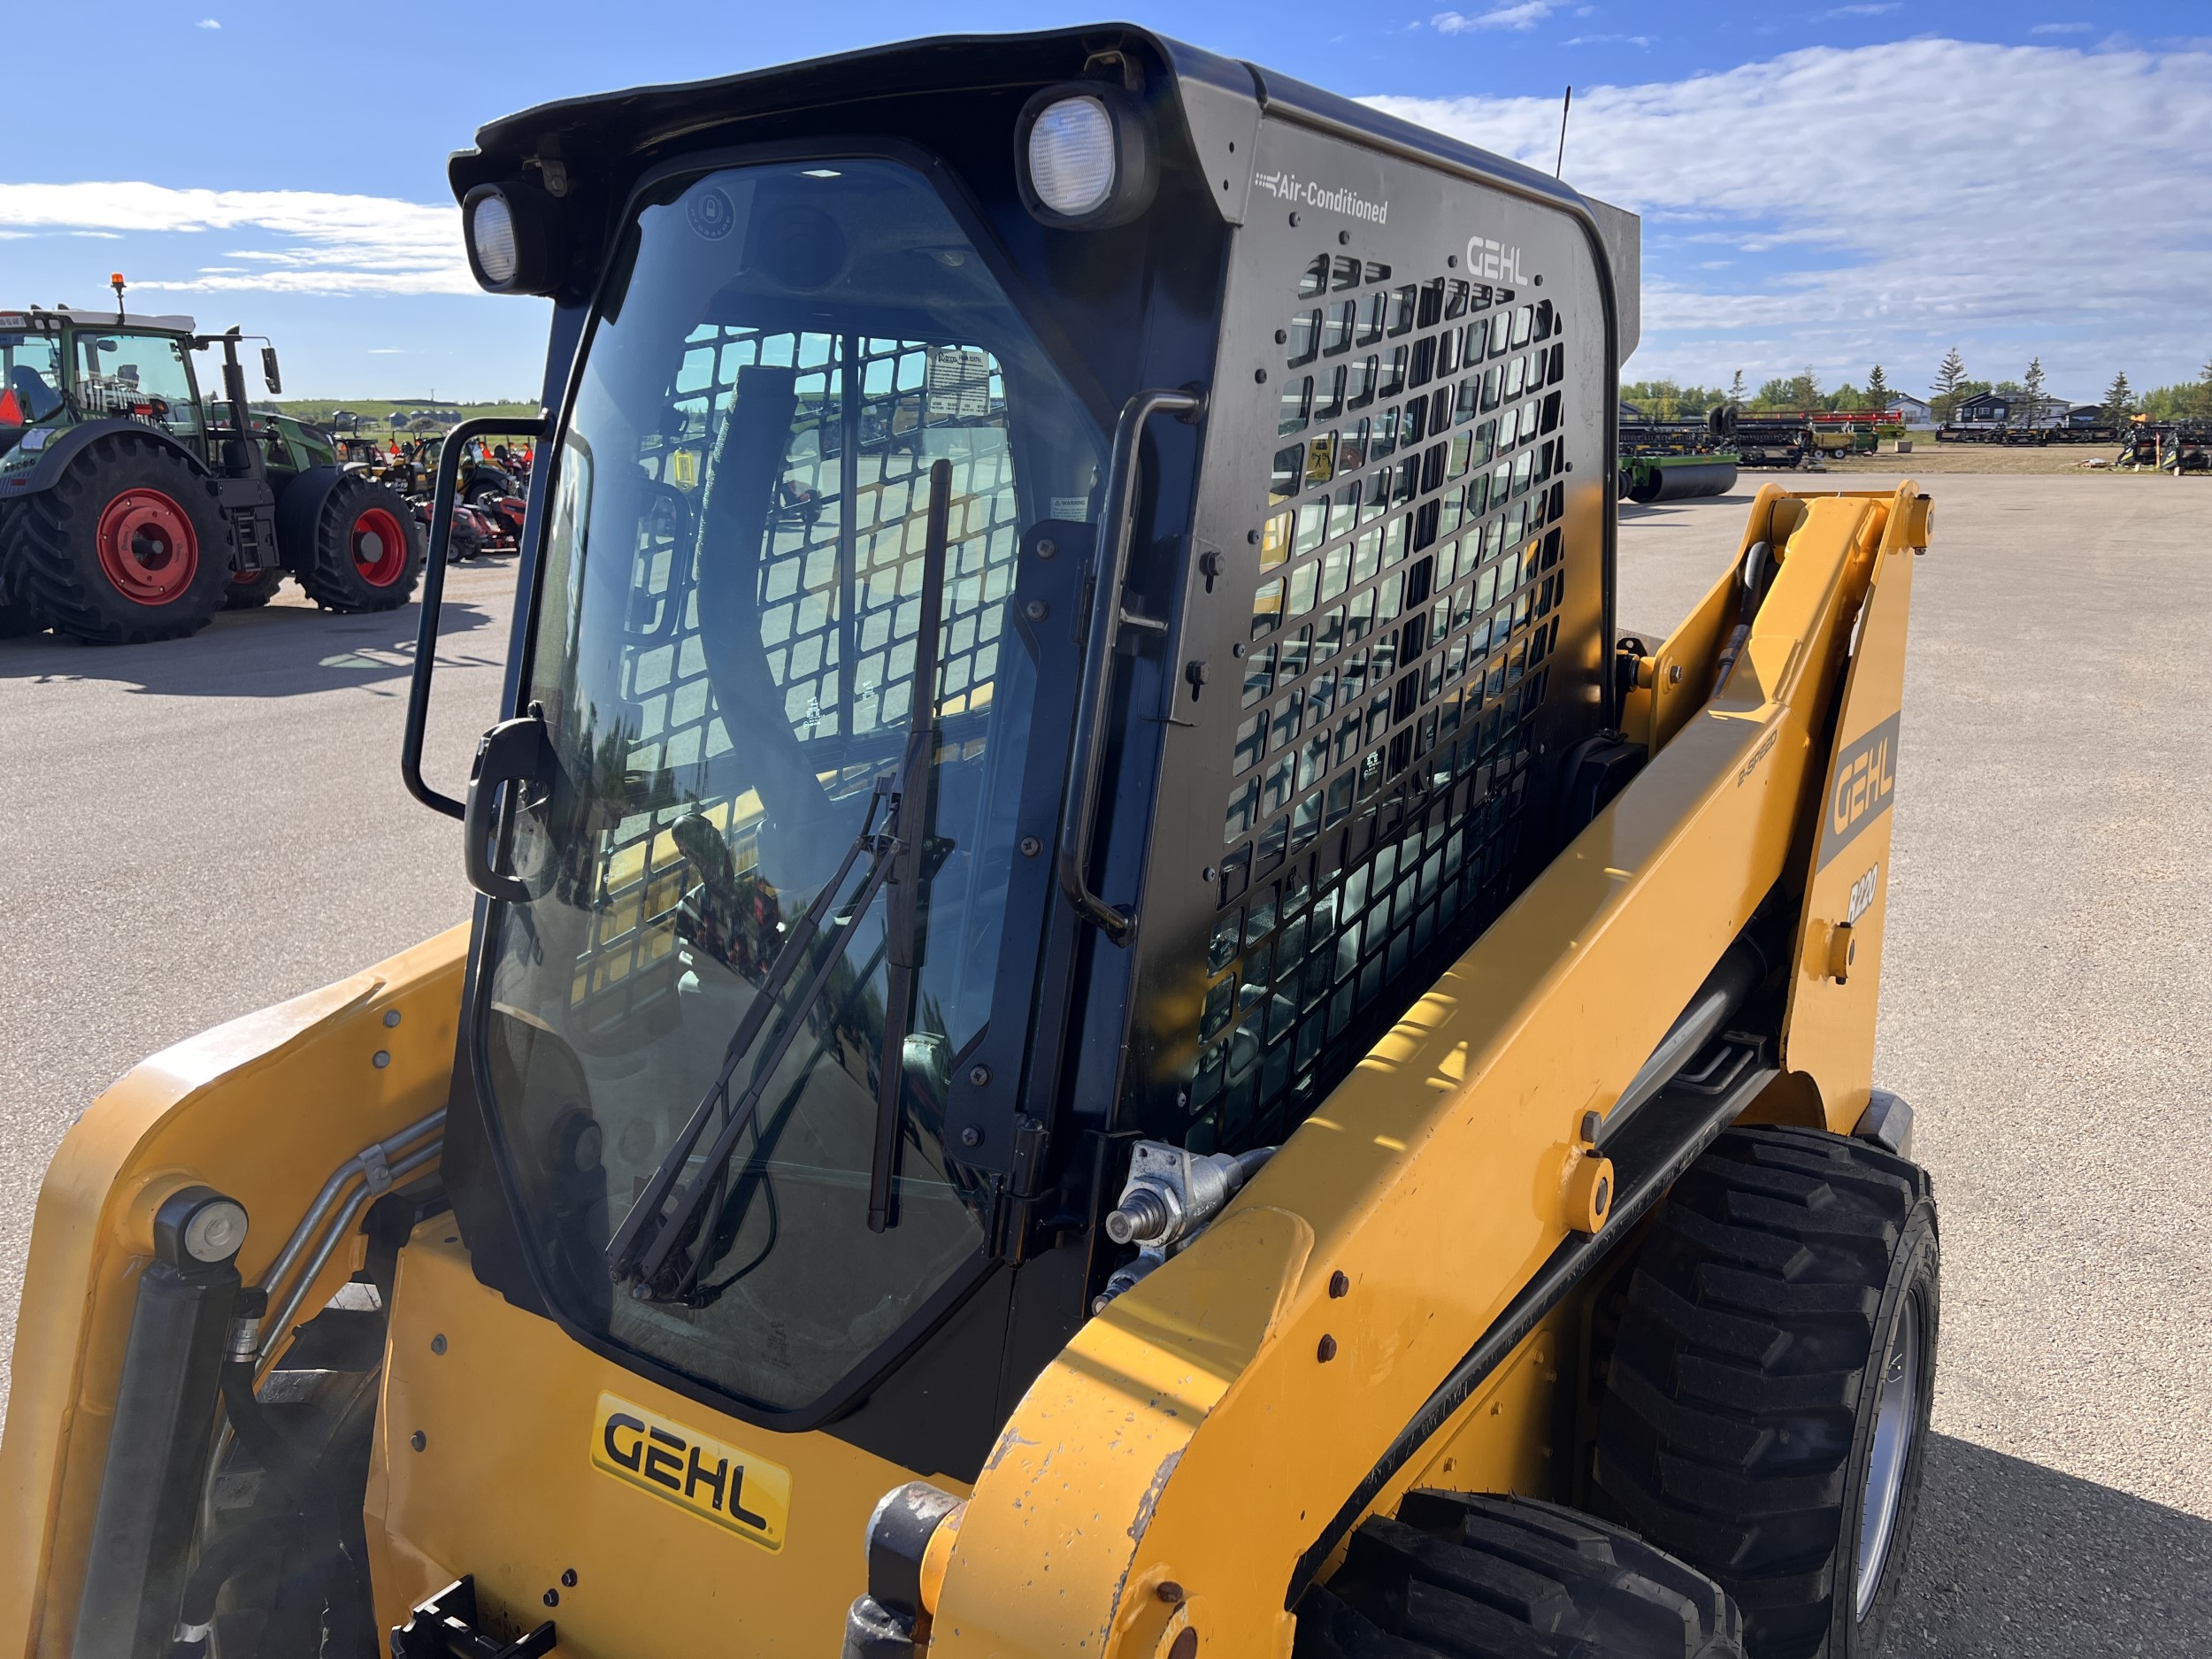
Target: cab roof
{"x": 1214, "y": 92}
{"x": 84, "y": 318}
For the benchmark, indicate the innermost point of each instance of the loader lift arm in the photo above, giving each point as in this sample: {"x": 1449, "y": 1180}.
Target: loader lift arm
{"x": 1550, "y": 1015}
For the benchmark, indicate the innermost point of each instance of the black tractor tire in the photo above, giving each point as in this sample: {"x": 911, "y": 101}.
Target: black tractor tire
{"x": 355, "y": 544}
{"x": 128, "y": 545}
{"x": 17, "y": 618}
{"x": 1474, "y": 1577}
{"x": 250, "y": 593}
{"x": 1777, "y": 1347}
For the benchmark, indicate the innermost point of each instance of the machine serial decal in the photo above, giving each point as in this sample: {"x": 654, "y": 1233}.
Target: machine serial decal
{"x": 1862, "y": 892}
{"x": 1862, "y": 788}
{"x": 714, "y": 1481}
{"x": 1288, "y": 187}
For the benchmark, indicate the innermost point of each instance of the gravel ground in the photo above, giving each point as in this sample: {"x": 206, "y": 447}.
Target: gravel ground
{"x": 201, "y": 828}
{"x": 2046, "y": 1008}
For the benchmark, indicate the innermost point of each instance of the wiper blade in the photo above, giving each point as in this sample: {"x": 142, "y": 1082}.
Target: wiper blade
{"x": 640, "y": 1251}
{"x": 902, "y": 925}
{"x": 625, "y": 1252}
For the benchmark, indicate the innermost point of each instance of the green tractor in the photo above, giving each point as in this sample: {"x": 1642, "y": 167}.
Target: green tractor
{"x": 133, "y": 508}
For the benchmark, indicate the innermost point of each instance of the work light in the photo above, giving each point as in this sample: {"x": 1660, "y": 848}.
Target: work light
{"x": 492, "y": 237}
{"x": 505, "y": 229}
{"x": 1084, "y": 157}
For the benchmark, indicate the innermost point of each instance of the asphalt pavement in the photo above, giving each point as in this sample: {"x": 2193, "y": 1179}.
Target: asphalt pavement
{"x": 2046, "y": 1009}
{"x": 198, "y": 829}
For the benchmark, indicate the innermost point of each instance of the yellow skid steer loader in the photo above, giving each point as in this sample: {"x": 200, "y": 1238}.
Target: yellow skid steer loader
{"x": 1108, "y": 1015}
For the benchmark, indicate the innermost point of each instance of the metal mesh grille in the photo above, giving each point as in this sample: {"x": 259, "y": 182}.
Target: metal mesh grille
{"x": 838, "y": 597}
{"x": 1401, "y": 629}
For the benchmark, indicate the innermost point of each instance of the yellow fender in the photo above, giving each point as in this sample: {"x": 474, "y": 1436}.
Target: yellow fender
{"x": 263, "y": 1109}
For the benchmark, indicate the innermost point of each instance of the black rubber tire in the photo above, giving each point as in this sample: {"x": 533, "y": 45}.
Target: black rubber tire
{"x": 253, "y": 594}
{"x": 1738, "y": 1418}
{"x": 315, "y": 520}
{"x": 17, "y": 620}
{"x": 48, "y": 546}
{"x": 1488, "y": 1578}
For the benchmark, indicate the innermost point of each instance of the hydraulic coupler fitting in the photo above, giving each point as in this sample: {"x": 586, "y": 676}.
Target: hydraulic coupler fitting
{"x": 1169, "y": 1196}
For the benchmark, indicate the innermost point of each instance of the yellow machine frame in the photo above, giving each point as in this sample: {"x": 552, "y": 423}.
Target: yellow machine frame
{"x": 1173, "y": 1462}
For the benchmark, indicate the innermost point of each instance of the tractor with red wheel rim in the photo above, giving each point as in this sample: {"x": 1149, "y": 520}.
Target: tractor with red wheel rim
{"x": 134, "y": 508}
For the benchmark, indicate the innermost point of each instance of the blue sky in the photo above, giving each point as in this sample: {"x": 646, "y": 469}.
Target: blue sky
{"x": 1821, "y": 184}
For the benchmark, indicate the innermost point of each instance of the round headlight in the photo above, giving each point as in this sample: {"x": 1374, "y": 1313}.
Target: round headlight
{"x": 491, "y": 229}
{"x": 1072, "y": 156}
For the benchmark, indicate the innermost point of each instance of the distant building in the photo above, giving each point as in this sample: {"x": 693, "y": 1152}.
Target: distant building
{"x": 1910, "y": 411}
{"x": 2011, "y": 409}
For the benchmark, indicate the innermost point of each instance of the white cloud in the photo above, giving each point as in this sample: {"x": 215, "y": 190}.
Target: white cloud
{"x": 1526, "y": 15}
{"x": 1866, "y": 11}
{"x": 321, "y": 243}
{"x": 2054, "y": 229}
{"x": 2062, "y": 28}
{"x": 207, "y": 23}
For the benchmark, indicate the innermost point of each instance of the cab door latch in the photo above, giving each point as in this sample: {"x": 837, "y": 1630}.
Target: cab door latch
{"x": 444, "y": 1627}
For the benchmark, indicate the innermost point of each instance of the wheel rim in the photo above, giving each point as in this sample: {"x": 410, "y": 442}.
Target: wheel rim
{"x": 379, "y": 547}
{"x": 1896, "y": 1424}
{"x": 147, "y": 547}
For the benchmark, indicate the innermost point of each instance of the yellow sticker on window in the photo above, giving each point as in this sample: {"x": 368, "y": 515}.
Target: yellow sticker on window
{"x": 716, "y": 1482}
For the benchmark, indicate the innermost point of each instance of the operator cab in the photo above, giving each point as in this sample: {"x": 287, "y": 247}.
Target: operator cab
{"x": 931, "y": 512}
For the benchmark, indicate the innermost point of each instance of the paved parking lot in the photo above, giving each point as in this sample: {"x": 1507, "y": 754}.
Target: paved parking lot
{"x": 199, "y": 829}
{"x": 2046, "y": 1008}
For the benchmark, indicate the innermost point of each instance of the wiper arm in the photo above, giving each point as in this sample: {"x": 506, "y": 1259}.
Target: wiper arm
{"x": 902, "y": 925}
{"x": 643, "y": 1260}
{"x": 624, "y": 1253}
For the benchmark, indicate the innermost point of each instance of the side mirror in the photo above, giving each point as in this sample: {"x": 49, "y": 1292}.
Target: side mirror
{"x": 269, "y": 371}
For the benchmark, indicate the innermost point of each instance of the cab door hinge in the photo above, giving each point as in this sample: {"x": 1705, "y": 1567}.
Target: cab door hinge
{"x": 1031, "y": 1138}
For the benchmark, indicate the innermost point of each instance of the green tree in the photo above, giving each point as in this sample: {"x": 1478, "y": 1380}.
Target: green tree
{"x": 1877, "y": 389}
{"x": 1845, "y": 396}
{"x": 2032, "y": 393}
{"x": 2204, "y": 393}
{"x": 1773, "y": 394}
{"x": 1805, "y": 389}
{"x": 2119, "y": 399}
{"x": 1735, "y": 389}
{"x": 1949, "y": 385}
{"x": 1667, "y": 400}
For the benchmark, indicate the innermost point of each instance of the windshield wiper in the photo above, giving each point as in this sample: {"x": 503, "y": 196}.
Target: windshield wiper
{"x": 640, "y": 1252}
{"x": 902, "y": 925}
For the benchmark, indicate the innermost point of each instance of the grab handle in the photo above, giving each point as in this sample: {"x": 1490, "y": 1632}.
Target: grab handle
{"x": 456, "y": 443}
{"x": 1079, "y": 810}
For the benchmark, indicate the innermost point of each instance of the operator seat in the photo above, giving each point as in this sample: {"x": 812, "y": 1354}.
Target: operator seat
{"x": 39, "y": 400}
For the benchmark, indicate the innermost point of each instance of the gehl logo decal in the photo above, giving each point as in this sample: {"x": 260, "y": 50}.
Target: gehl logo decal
{"x": 1861, "y": 788}
{"x": 719, "y": 1483}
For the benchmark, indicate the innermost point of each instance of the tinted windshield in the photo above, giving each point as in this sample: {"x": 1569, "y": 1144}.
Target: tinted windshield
{"x": 143, "y": 376}
{"x": 724, "y": 646}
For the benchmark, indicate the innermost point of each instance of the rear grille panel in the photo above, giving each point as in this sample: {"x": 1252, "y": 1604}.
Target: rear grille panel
{"x": 1400, "y": 653}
